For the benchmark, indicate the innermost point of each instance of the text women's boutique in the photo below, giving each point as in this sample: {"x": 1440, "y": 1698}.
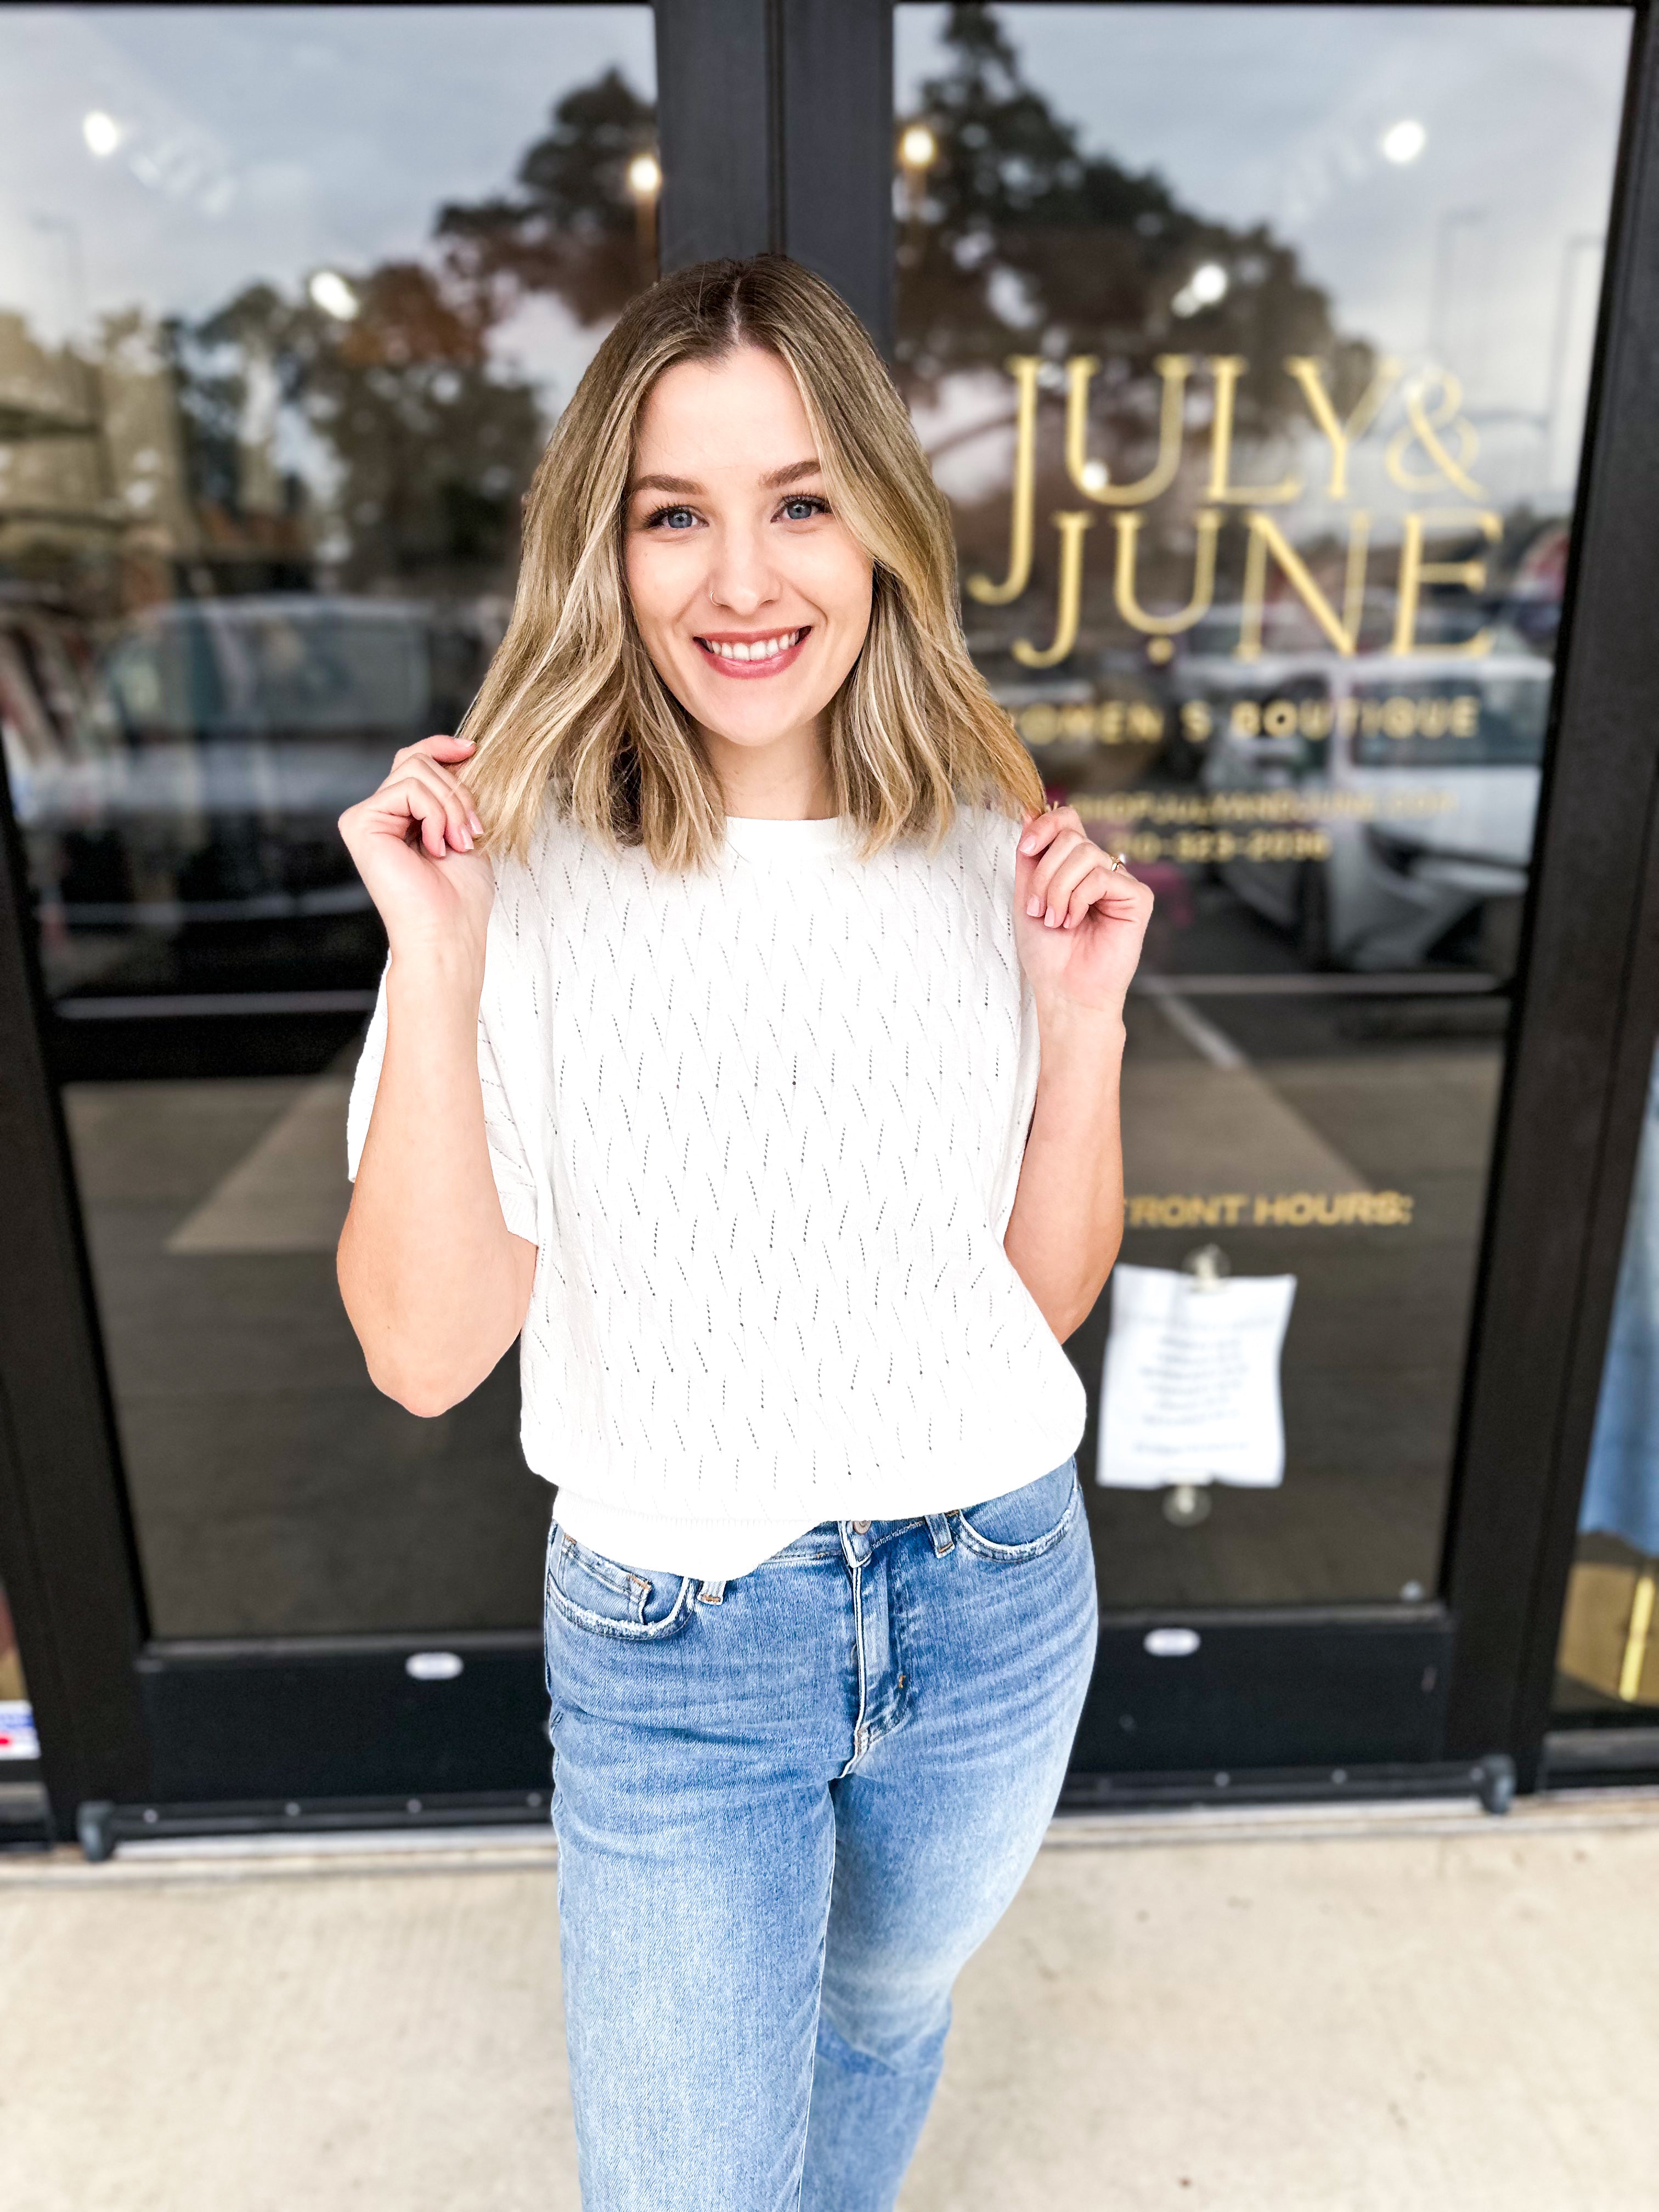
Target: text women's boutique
{"x": 1290, "y": 372}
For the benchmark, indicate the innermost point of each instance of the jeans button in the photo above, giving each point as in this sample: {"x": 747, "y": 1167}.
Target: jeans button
{"x": 860, "y": 1526}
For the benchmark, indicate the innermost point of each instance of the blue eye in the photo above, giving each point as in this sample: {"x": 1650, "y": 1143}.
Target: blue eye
{"x": 804, "y": 507}
{"x": 671, "y": 518}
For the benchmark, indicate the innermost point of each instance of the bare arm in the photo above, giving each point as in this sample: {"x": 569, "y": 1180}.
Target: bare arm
{"x": 1067, "y": 1221}
{"x": 435, "y": 1284}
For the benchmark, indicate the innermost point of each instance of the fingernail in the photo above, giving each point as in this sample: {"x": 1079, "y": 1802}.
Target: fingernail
{"x": 477, "y": 826}
{"x": 468, "y": 742}
{"x": 466, "y": 841}
{"x": 1050, "y": 918}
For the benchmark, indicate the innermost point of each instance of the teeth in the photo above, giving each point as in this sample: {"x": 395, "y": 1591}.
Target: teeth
{"x": 762, "y": 648}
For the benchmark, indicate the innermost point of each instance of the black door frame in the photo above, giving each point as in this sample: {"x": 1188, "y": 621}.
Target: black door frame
{"x": 1585, "y": 1021}
{"x": 776, "y": 122}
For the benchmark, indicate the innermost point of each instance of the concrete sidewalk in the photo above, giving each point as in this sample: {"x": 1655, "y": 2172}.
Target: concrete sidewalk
{"x": 1416, "y": 2010}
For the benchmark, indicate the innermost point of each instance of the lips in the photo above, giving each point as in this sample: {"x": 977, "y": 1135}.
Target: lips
{"x": 760, "y": 653}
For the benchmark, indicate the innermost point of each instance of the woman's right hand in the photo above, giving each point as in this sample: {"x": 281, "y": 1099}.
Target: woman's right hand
{"x": 435, "y": 1284}
{"x": 412, "y": 842}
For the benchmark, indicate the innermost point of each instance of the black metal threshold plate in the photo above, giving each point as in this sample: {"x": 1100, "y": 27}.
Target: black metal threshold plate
{"x": 402, "y": 1720}
{"x": 444, "y": 1717}
{"x": 1202, "y": 1693}
{"x": 1599, "y": 1758}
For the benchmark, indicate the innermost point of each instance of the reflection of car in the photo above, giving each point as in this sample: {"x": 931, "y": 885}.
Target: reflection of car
{"x": 1289, "y": 638}
{"x": 193, "y": 775}
{"x": 249, "y": 724}
{"x": 1381, "y": 807}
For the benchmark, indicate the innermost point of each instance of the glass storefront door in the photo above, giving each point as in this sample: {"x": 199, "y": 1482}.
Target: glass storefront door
{"x": 1252, "y": 346}
{"x": 290, "y": 297}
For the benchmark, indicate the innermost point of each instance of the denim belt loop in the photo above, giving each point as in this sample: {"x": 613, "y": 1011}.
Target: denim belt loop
{"x": 855, "y": 1545}
{"x": 713, "y": 1593}
{"x": 943, "y": 1537}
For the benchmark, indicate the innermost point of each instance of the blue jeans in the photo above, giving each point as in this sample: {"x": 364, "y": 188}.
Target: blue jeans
{"x": 788, "y": 1807}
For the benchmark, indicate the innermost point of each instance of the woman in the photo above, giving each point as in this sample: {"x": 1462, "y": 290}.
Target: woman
{"x": 762, "y": 1081}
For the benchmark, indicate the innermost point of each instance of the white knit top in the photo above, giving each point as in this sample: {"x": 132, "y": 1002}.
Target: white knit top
{"x": 764, "y": 1124}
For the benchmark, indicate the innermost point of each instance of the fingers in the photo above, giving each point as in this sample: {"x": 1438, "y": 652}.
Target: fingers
{"x": 1081, "y": 864}
{"x": 417, "y": 762}
{"x": 1071, "y": 873}
{"x": 437, "y": 749}
{"x": 425, "y": 762}
{"x": 1106, "y": 886}
{"x": 451, "y": 821}
{"x": 1040, "y": 830}
{"x": 1062, "y": 842}
{"x": 429, "y": 756}
{"x": 1096, "y": 883}
{"x": 438, "y": 806}
{"x": 429, "y": 812}
{"x": 422, "y": 803}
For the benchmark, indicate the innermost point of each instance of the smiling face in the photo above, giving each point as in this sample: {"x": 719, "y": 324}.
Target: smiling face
{"x": 752, "y": 598}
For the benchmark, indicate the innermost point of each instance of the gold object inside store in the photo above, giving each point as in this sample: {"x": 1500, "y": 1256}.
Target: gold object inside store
{"x": 1607, "y": 1636}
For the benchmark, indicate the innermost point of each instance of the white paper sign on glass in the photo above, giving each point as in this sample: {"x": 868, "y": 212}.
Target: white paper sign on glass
{"x": 1190, "y": 1390}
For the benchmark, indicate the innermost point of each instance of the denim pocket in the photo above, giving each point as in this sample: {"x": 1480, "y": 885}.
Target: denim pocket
{"x": 607, "y": 1599}
{"x": 1023, "y": 1524}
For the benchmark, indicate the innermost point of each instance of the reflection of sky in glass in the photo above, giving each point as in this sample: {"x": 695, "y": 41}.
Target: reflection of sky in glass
{"x": 264, "y": 142}
{"x": 1278, "y": 115}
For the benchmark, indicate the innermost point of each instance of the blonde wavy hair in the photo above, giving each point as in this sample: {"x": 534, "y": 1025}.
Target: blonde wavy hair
{"x": 572, "y": 707}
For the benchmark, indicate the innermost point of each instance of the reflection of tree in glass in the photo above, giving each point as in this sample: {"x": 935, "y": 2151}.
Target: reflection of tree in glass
{"x": 432, "y": 445}
{"x": 574, "y": 231}
{"x": 1022, "y": 242}
{"x": 432, "y": 440}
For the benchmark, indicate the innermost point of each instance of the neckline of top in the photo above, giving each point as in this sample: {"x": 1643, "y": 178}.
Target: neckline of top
{"x": 754, "y": 838}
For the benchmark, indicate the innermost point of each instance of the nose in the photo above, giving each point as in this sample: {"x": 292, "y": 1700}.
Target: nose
{"x": 741, "y": 577}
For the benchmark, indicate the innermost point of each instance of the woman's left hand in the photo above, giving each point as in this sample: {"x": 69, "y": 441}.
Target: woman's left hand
{"x": 1079, "y": 920}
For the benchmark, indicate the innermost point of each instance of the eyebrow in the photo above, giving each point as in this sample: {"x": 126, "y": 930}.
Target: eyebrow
{"x": 774, "y": 480}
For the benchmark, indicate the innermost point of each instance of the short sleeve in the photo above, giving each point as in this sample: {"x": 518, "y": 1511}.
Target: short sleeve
{"x": 508, "y": 1111}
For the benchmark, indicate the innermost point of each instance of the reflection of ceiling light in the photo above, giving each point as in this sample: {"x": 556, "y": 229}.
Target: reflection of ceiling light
{"x": 329, "y": 291}
{"x": 101, "y": 132}
{"x": 1206, "y": 285}
{"x": 644, "y": 176}
{"x": 918, "y": 148}
{"x": 1095, "y": 476}
{"x": 1403, "y": 142}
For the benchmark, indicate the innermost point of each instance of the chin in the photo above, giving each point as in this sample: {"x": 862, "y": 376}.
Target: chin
{"x": 757, "y": 731}
{"x": 761, "y": 723}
